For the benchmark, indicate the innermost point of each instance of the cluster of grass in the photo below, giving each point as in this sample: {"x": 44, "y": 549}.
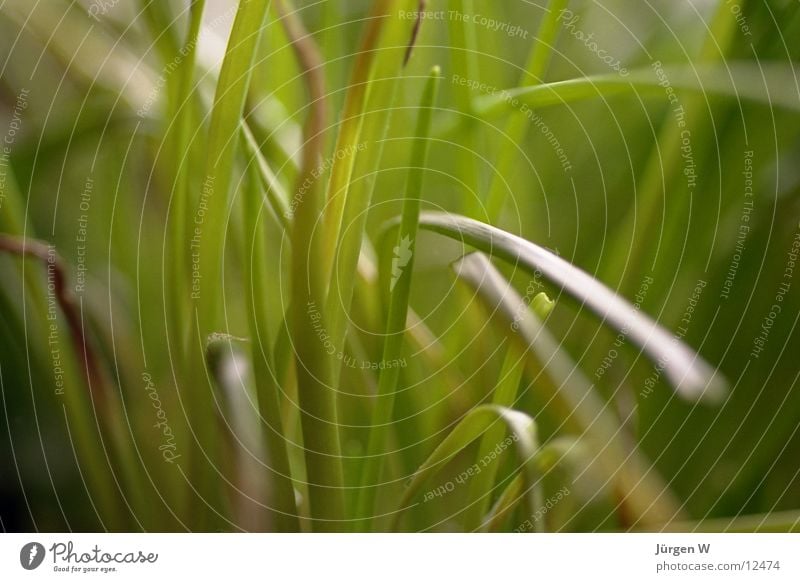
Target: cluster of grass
{"x": 286, "y": 282}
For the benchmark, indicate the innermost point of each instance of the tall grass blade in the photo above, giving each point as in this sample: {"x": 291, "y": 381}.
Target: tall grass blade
{"x": 398, "y": 302}
{"x": 209, "y": 217}
{"x": 388, "y": 42}
{"x": 313, "y": 366}
{"x": 281, "y": 494}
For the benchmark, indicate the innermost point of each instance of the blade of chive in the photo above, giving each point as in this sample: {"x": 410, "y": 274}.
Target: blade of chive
{"x": 313, "y": 366}
{"x": 280, "y": 495}
{"x": 476, "y": 422}
{"x": 398, "y": 306}
{"x": 226, "y": 113}
{"x": 505, "y": 394}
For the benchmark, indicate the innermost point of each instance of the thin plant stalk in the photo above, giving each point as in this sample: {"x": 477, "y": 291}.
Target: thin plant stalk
{"x": 505, "y": 394}
{"x": 280, "y": 495}
{"x": 313, "y": 366}
{"x": 519, "y": 425}
{"x": 463, "y": 53}
{"x": 99, "y": 398}
{"x": 398, "y": 304}
{"x": 388, "y": 42}
{"x": 226, "y": 113}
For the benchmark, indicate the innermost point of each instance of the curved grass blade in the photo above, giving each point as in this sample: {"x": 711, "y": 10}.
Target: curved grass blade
{"x": 476, "y": 423}
{"x": 505, "y": 394}
{"x": 504, "y": 506}
{"x": 643, "y": 496}
{"x": 691, "y": 376}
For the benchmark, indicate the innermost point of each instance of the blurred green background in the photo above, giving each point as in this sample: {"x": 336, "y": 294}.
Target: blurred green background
{"x": 83, "y": 117}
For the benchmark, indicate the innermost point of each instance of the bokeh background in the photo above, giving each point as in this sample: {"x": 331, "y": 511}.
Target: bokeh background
{"x": 83, "y": 116}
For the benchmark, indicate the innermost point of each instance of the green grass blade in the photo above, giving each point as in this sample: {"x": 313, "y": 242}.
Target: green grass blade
{"x": 398, "y": 302}
{"x": 381, "y": 31}
{"x": 504, "y": 506}
{"x": 276, "y": 196}
{"x": 504, "y": 394}
{"x": 226, "y": 113}
{"x": 520, "y": 426}
{"x": 691, "y": 376}
{"x": 316, "y": 391}
{"x": 734, "y": 79}
{"x": 463, "y": 62}
{"x": 389, "y": 47}
{"x": 643, "y": 495}
{"x": 181, "y": 111}
{"x": 281, "y": 495}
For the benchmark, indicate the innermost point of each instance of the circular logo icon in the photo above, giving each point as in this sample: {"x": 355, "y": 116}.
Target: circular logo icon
{"x": 31, "y": 555}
